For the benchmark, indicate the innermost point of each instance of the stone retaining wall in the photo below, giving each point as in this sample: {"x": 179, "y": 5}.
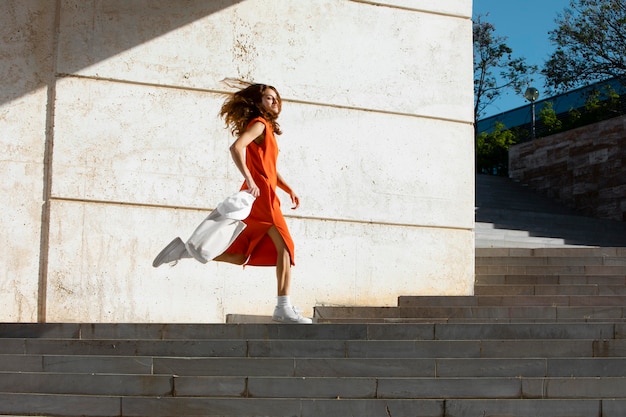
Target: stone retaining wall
{"x": 584, "y": 168}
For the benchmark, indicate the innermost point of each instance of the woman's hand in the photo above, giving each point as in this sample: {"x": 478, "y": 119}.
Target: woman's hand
{"x": 253, "y": 188}
{"x": 282, "y": 184}
{"x": 295, "y": 200}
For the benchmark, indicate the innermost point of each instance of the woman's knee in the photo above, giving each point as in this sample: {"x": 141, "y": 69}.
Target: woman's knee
{"x": 231, "y": 258}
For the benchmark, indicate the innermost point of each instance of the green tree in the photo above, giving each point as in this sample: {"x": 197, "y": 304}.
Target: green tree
{"x": 495, "y": 69}
{"x": 599, "y": 105}
{"x": 603, "y": 106}
{"x": 492, "y": 150}
{"x": 591, "y": 44}
{"x": 548, "y": 120}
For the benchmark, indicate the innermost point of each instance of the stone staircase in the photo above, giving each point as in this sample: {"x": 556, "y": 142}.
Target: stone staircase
{"x": 510, "y": 215}
{"x": 544, "y": 335}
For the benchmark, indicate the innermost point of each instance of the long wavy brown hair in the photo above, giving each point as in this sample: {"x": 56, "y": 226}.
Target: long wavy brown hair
{"x": 244, "y": 105}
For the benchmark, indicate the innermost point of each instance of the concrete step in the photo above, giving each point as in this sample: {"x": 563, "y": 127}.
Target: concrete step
{"x": 161, "y": 407}
{"x": 23, "y": 338}
{"x": 551, "y": 260}
{"x": 509, "y": 215}
{"x": 504, "y": 385}
{"x": 237, "y": 339}
{"x": 415, "y": 343}
{"x": 542, "y": 290}
{"x": 557, "y": 280}
{"x": 550, "y": 270}
{"x": 578, "y": 359}
{"x": 511, "y": 301}
{"x": 504, "y": 193}
{"x": 545, "y": 335}
{"x": 335, "y": 369}
{"x": 519, "y": 229}
{"x": 551, "y": 252}
{"x": 468, "y": 314}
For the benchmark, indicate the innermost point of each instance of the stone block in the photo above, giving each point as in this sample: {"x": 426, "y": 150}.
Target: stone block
{"x": 80, "y": 347}
{"x": 99, "y": 385}
{"x": 224, "y": 366}
{"x": 373, "y": 408}
{"x": 523, "y": 331}
{"x": 564, "y": 289}
{"x": 244, "y": 407}
{"x": 413, "y": 349}
{"x": 40, "y": 330}
{"x": 586, "y": 367}
{"x": 598, "y": 300}
{"x": 77, "y": 364}
{"x": 566, "y": 313}
{"x": 533, "y": 388}
{"x": 120, "y": 331}
{"x": 504, "y": 289}
{"x": 197, "y": 348}
{"x": 609, "y": 348}
{"x": 312, "y": 387}
{"x": 510, "y": 367}
{"x": 446, "y": 388}
{"x": 59, "y": 405}
{"x": 20, "y": 363}
{"x": 436, "y": 301}
{"x": 594, "y": 280}
{"x": 13, "y": 346}
{"x": 364, "y": 367}
{"x": 523, "y": 408}
{"x": 581, "y": 388}
{"x": 523, "y": 300}
{"x": 400, "y": 331}
{"x": 537, "y": 348}
{"x": 209, "y": 386}
{"x": 297, "y": 348}
{"x": 613, "y": 407}
{"x": 612, "y": 290}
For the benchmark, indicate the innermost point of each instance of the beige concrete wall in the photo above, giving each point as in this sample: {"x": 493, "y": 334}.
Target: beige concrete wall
{"x": 26, "y": 73}
{"x": 378, "y": 143}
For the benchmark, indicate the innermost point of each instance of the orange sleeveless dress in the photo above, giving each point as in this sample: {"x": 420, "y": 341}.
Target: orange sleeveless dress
{"x": 254, "y": 241}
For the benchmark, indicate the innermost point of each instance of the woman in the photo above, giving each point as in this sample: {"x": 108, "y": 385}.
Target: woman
{"x": 251, "y": 115}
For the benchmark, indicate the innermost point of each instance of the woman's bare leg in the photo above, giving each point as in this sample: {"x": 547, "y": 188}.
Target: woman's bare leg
{"x": 283, "y": 262}
{"x": 284, "y": 311}
{"x": 231, "y": 258}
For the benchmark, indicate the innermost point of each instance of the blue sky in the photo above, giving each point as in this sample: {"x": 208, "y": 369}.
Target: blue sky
{"x": 526, "y": 24}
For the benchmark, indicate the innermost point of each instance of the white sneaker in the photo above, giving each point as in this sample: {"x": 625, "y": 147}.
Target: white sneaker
{"x": 289, "y": 315}
{"x": 172, "y": 253}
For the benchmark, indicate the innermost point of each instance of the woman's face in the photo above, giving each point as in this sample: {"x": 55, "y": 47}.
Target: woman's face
{"x": 270, "y": 101}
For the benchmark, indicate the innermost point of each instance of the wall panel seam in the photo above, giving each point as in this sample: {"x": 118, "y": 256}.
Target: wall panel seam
{"x": 284, "y": 99}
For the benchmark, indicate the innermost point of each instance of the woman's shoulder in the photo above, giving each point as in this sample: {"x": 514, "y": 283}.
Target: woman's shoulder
{"x": 260, "y": 119}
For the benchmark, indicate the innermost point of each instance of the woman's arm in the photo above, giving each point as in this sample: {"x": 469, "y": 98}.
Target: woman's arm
{"x": 295, "y": 200}
{"x": 238, "y": 153}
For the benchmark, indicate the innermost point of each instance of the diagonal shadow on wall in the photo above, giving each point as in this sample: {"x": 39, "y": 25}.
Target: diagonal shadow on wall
{"x": 29, "y": 30}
